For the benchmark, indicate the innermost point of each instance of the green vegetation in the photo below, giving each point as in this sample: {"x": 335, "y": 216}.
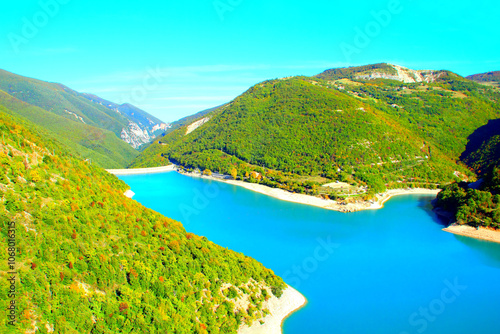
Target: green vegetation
{"x": 102, "y": 147}
{"x": 352, "y": 72}
{"x": 477, "y": 207}
{"x": 89, "y": 129}
{"x": 301, "y": 132}
{"x": 63, "y": 101}
{"x": 136, "y": 115}
{"x": 90, "y": 260}
{"x": 493, "y": 76}
{"x": 190, "y": 119}
{"x": 489, "y": 78}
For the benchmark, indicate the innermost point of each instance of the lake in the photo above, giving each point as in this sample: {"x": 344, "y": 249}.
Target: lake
{"x": 383, "y": 271}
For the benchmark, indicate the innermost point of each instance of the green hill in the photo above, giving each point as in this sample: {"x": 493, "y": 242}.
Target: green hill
{"x": 90, "y": 260}
{"x": 89, "y": 142}
{"x": 488, "y": 76}
{"x": 477, "y": 204}
{"x": 492, "y": 78}
{"x": 61, "y": 101}
{"x": 190, "y": 119}
{"x": 126, "y": 122}
{"x": 147, "y": 122}
{"x": 301, "y": 132}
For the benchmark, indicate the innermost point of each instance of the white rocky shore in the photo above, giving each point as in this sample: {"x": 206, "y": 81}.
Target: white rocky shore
{"x": 279, "y": 309}
{"x": 284, "y": 195}
{"x": 292, "y": 197}
{"x": 132, "y": 171}
{"x": 472, "y": 232}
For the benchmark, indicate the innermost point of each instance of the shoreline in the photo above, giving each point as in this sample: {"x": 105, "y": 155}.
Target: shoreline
{"x": 289, "y": 196}
{"x": 133, "y": 171}
{"x": 319, "y": 202}
{"x": 481, "y": 233}
{"x": 291, "y": 301}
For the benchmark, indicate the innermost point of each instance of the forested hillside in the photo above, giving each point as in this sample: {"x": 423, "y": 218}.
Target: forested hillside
{"x": 301, "y": 132}
{"x": 477, "y": 204}
{"x": 190, "y": 119}
{"x": 100, "y": 146}
{"x": 113, "y": 130}
{"x": 492, "y": 78}
{"x": 90, "y": 260}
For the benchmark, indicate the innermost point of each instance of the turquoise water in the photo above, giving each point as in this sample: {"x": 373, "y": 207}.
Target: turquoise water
{"x": 384, "y": 271}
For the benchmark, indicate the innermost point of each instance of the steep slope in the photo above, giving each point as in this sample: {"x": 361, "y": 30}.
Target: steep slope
{"x": 102, "y": 147}
{"x": 477, "y": 204}
{"x": 65, "y": 102}
{"x": 483, "y": 147}
{"x": 191, "y": 119}
{"x": 299, "y": 133}
{"x": 383, "y": 71}
{"x": 90, "y": 260}
{"x": 492, "y": 78}
{"x": 143, "y": 127}
{"x": 155, "y": 153}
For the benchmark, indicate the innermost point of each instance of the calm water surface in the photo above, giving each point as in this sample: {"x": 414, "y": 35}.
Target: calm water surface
{"x": 384, "y": 271}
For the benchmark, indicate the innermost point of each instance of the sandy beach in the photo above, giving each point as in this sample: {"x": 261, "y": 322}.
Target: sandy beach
{"x": 288, "y": 196}
{"x": 469, "y": 231}
{"x": 320, "y": 202}
{"x": 133, "y": 171}
{"x": 279, "y": 309}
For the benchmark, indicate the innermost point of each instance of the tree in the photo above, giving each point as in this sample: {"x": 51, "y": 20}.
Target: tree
{"x": 234, "y": 173}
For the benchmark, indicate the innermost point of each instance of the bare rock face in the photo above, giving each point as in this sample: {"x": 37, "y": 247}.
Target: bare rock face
{"x": 196, "y": 125}
{"x": 403, "y": 74}
{"x": 135, "y": 136}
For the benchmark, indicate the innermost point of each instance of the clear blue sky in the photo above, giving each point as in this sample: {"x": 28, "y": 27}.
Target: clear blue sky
{"x": 174, "y": 58}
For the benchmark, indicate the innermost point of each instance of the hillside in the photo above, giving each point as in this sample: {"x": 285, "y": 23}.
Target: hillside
{"x": 100, "y": 146}
{"x": 492, "y": 78}
{"x": 384, "y": 71}
{"x": 483, "y": 148}
{"x": 302, "y": 132}
{"x": 155, "y": 156}
{"x": 90, "y": 260}
{"x": 149, "y": 125}
{"x": 126, "y": 122}
{"x": 190, "y": 119}
{"x": 477, "y": 204}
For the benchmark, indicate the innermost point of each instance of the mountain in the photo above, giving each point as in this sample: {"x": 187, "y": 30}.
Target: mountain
{"x": 127, "y": 122}
{"x": 99, "y": 146}
{"x": 477, "y": 204}
{"x": 155, "y": 155}
{"x": 483, "y": 147}
{"x": 191, "y": 119}
{"x": 383, "y": 71}
{"x": 143, "y": 127}
{"x": 90, "y": 260}
{"x": 375, "y": 127}
{"x": 492, "y": 78}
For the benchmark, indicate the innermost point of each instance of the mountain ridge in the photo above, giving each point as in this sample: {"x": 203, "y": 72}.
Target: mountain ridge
{"x": 343, "y": 124}
{"x": 64, "y": 101}
{"x": 384, "y": 71}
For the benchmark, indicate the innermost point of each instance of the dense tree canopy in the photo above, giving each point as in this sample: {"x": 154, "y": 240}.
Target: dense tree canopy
{"x": 90, "y": 260}
{"x": 376, "y": 133}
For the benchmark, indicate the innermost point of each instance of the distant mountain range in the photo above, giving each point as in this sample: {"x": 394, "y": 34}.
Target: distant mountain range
{"x": 93, "y": 127}
{"x": 492, "y": 78}
{"x": 143, "y": 127}
{"x": 375, "y": 127}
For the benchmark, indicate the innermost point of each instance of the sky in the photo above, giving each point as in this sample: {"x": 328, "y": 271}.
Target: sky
{"x": 175, "y": 58}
